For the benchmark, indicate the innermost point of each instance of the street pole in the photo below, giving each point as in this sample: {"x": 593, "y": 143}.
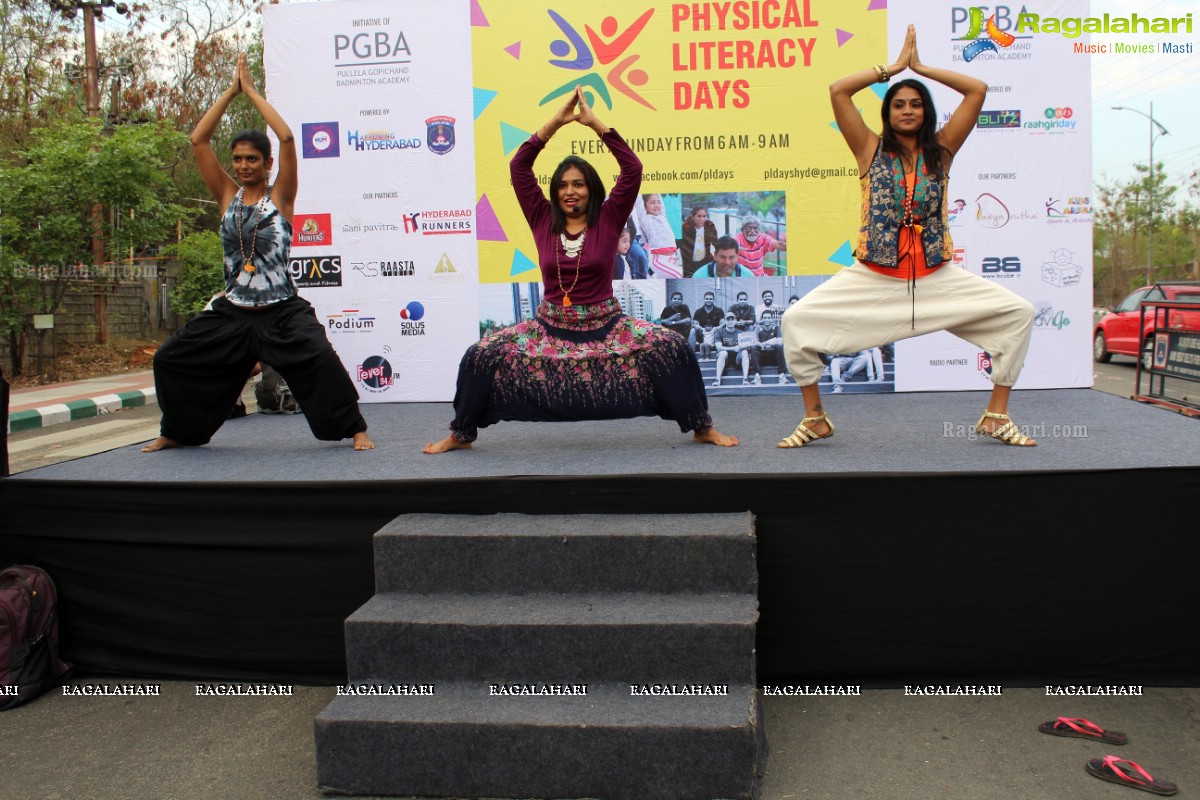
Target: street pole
{"x": 1150, "y": 190}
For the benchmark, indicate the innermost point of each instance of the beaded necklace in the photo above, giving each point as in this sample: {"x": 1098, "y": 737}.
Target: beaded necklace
{"x": 248, "y": 261}
{"x": 573, "y": 250}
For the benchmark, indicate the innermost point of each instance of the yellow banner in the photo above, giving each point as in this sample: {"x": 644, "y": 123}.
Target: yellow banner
{"x": 726, "y": 103}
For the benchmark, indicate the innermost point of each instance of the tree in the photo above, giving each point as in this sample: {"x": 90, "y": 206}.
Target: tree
{"x": 46, "y": 225}
{"x": 201, "y": 272}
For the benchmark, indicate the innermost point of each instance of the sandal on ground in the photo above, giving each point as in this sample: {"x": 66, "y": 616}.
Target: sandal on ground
{"x": 1117, "y": 770}
{"x": 1080, "y": 728}
{"x": 1006, "y": 433}
{"x": 804, "y": 435}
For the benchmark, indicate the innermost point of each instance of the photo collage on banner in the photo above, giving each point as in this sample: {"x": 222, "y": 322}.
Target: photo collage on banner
{"x": 384, "y": 245}
{"x": 1020, "y": 189}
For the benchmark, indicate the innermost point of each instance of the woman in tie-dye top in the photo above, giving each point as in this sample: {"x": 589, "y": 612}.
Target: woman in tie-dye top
{"x": 200, "y": 371}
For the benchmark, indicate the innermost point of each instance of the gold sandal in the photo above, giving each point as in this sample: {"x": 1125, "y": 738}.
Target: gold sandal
{"x": 1007, "y": 433}
{"x": 804, "y": 435}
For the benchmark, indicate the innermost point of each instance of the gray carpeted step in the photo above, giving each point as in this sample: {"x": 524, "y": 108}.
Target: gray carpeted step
{"x": 553, "y": 637}
{"x": 515, "y": 553}
{"x": 462, "y": 741}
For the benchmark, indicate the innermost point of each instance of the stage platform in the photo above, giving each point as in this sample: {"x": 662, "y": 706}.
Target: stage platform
{"x": 903, "y": 550}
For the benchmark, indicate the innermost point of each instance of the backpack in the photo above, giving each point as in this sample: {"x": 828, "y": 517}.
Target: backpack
{"x": 273, "y": 394}
{"x": 29, "y": 663}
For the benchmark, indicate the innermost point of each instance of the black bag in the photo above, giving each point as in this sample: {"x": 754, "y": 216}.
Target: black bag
{"x": 29, "y": 663}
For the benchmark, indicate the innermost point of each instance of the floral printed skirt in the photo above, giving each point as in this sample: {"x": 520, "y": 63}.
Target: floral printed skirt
{"x": 583, "y": 362}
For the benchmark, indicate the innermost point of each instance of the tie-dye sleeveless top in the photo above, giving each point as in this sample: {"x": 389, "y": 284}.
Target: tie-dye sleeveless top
{"x": 270, "y": 280}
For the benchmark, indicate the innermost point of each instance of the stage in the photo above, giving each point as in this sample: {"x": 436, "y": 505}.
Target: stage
{"x": 903, "y": 550}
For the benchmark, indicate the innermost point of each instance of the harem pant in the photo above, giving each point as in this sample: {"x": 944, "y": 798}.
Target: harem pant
{"x": 200, "y": 371}
{"x": 858, "y": 309}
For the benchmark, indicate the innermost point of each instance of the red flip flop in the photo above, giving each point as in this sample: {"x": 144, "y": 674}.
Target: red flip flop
{"x": 1080, "y": 728}
{"x": 1110, "y": 769}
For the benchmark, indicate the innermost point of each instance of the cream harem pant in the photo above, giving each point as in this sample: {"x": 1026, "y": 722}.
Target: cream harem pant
{"x": 858, "y": 308}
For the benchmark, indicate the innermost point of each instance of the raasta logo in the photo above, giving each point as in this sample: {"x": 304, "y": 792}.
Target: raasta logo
{"x": 316, "y": 272}
{"x": 320, "y": 139}
{"x": 386, "y": 269}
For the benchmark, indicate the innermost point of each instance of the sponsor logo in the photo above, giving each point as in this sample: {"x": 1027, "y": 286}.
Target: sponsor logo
{"x": 316, "y": 272}
{"x": 439, "y": 222}
{"x": 440, "y": 134}
{"x": 320, "y": 139}
{"x": 1070, "y": 209}
{"x": 1003, "y": 267}
{"x": 1055, "y": 120}
{"x": 350, "y": 320}
{"x": 411, "y": 317}
{"x": 372, "y": 55}
{"x": 1009, "y": 118}
{"x": 1049, "y": 318}
{"x": 384, "y": 269}
{"x": 1060, "y": 271}
{"x": 986, "y": 33}
{"x": 445, "y": 271}
{"x": 990, "y": 211}
{"x": 983, "y": 363}
{"x": 380, "y": 140}
{"x": 959, "y": 257}
{"x": 956, "y": 212}
{"x": 375, "y": 374}
{"x": 312, "y": 230}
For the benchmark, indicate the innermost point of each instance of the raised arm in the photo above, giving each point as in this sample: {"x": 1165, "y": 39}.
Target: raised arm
{"x": 966, "y": 116}
{"x": 861, "y": 139}
{"x": 222, "y": 187}
{"x": 530, "y": 197}
{"x": 624, "y": 195}
{"x": 287, "y": 181}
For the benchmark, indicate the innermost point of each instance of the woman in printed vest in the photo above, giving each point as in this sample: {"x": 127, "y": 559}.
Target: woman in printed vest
{"x": 903, "y": 283}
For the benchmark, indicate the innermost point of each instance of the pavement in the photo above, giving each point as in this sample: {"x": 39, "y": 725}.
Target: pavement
{"x": 56, "y": 403}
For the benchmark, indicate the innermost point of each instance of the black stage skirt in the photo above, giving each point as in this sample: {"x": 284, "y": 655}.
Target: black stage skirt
{"x": 575, "y": 363}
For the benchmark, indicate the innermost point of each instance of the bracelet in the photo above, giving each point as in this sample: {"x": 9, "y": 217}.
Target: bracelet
{"x": 881, "y": 74}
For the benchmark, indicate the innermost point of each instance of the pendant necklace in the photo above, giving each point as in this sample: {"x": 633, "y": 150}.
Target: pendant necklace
{"x": 573, "y": 249}
{"x": 248, "y": 261}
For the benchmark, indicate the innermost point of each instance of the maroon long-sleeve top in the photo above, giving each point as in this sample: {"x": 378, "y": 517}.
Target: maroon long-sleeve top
{"x": 600, "y": 247}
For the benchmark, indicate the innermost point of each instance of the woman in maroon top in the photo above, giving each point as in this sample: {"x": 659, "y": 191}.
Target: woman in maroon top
{"x": 580, "y": 357}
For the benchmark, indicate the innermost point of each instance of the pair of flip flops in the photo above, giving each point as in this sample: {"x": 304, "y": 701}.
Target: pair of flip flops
{"x": 1110, "y": 768}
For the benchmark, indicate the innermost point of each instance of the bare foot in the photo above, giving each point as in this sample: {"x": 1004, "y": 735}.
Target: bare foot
{"x": 714, "y": 436}
{"x": 363, "y": 442}
{"x": 445, "y": 446}
{"x": 161, "y": 443}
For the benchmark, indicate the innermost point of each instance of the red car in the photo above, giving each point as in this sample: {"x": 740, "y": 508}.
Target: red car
{"x": 1122, "y": 331}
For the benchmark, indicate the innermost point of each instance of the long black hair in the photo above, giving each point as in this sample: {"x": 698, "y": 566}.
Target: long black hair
{"x": 937, "y": 157}
{"x": 595, "y": 187}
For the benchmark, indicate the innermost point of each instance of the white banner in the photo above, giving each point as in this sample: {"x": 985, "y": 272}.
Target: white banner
{"x": 379, "y": 97}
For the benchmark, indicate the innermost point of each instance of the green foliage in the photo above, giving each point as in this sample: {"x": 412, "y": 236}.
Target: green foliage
{"x": 201, "y": 274}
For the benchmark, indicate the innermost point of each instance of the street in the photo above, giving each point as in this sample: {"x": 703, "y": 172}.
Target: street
{"x": 45, "y": 446}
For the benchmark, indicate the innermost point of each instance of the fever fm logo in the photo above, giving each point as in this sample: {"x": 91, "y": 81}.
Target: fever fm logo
{"x": 610, "y": 47}
{"x": 375, "y": 374}
{"x": 983, "y": 362}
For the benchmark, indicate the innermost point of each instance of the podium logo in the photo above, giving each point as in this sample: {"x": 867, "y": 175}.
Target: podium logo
{"x": 351, "y": 320}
